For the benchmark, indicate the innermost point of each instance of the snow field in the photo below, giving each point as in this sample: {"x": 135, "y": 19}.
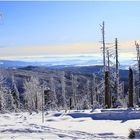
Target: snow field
{"x": 73, "y": 125}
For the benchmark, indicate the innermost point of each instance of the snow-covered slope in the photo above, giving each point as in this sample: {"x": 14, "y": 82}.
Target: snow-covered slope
{"x": 73, "y": 125}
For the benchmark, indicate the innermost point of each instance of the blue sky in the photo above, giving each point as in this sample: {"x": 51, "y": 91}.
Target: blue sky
{"x": 39, "y": 28}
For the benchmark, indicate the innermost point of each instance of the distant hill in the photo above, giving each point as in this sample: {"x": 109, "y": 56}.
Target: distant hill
{"x": 70, "y": 64}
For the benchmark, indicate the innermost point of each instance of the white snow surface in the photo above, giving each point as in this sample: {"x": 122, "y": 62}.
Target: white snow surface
{"x": 71, "y": 125}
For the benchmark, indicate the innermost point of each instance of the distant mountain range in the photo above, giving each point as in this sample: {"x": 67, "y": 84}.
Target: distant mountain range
{"x": 58, "y": 63}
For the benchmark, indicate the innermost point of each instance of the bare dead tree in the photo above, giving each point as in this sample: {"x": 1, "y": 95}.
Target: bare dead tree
{"x": 117, "y": 66}
{"x": 94, "y": 92}
{"x": 70, "y": 103}
{"x": 138, "y": 69}
{"x": 107, "y": 92}
{"x": 104, "y": 47}
{"x": 130, "y": 88}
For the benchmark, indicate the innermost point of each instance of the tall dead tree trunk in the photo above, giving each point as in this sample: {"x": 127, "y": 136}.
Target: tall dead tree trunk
{"x": 138, "y": 57}
{"x": 138, "y": 80}
{"x": 116, "y": 96}
{"x": 70, "y": 103}
{"x": 104, "y": 48}
{"x": 139, "y": 76}
{"x": 93, "y": 93}
{"x": 103, "y": 45}
{"x": 107, "y": 92}
{"x": 36, "y": 104}
{"x": 130, "y": 88}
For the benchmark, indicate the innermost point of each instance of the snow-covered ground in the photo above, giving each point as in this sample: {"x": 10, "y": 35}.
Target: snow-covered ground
{"x": 73, "y": 125}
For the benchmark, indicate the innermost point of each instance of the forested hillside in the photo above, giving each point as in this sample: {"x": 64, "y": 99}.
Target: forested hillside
{"x": 61, "y": 88}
